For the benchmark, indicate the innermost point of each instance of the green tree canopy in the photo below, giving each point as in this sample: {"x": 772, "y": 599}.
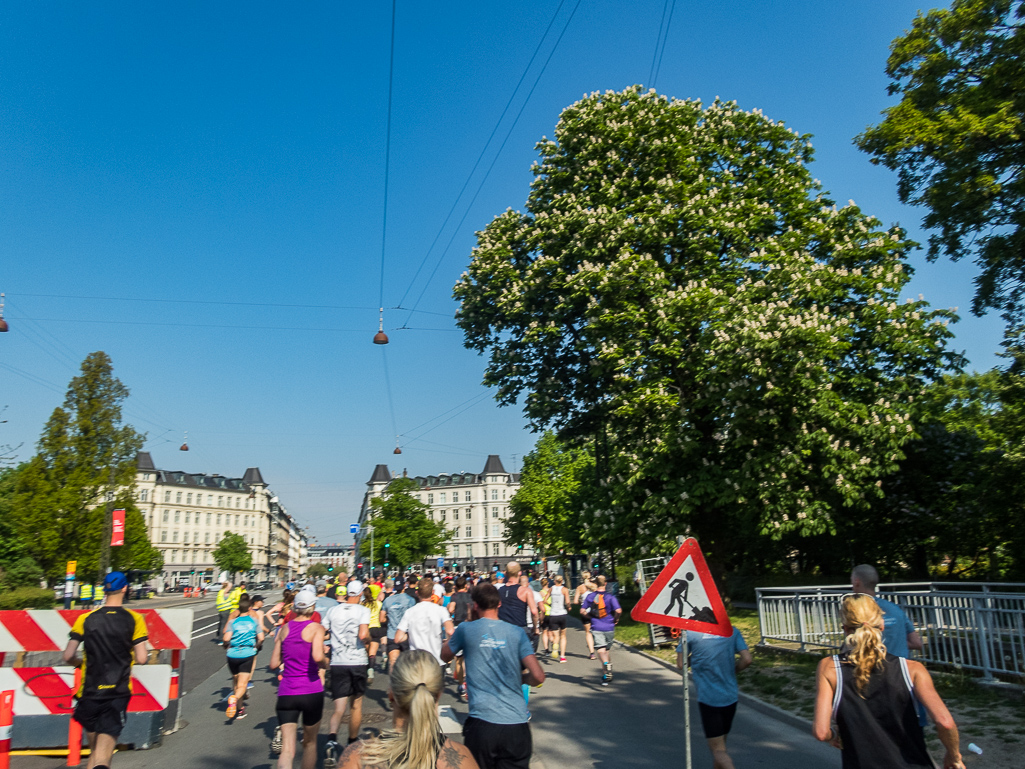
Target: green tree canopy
{"x": 232, "y": 554}
{"x": 316, "y": 570}
{"x": 61, "y": 494}
{"x": 681, "y": 293}
{"x": 957, "y": 139}
{"x": 405, "y": 524}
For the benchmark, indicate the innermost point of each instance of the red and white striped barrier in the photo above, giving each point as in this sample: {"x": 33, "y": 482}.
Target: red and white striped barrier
{"x": 45, "y": 630}
{"x": 49, "y": 691}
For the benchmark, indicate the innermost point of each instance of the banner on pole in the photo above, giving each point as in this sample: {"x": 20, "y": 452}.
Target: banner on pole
{"x": 117, "y": 536}
{"x": 684, "y": 596}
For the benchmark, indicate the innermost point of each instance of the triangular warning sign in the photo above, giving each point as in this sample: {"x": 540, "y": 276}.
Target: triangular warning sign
{"x": 683, "y": 596}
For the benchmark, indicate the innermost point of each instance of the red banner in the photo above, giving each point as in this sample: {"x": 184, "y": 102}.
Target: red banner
{"x": 117, "y": 536}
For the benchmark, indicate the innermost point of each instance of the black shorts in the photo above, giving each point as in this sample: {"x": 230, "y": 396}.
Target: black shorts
{"x": 717, "y": 721}
{"x": 377, "y": 633}
{"x": 348, "y": 681}
{"x": 102, "y": 716}
{"x": 290, "y": 706}
{"x": 241, "y": 665}
{"x": 398, "y": 647}
{"x": 544, "y": 622}
{"x": 557, "y": 622}
{"x": 498, "y": 745}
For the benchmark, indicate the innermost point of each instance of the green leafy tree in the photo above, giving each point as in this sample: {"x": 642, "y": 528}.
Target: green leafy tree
{"x": 316, "y": 570}
{"x": 545, "y": 511}
{"x": 956, "y": 139}
{"x": 232, "y": 554}
{"x": 404, "y": 524}
{"x": 61, "y": 494}
{"x": 680, "y": 292}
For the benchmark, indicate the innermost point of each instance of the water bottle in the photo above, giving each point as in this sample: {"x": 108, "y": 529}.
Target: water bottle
{"x": 972, "y": 747}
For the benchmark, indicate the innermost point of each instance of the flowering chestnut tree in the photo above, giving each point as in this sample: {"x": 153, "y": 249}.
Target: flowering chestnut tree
{"x": 680, "y": 291}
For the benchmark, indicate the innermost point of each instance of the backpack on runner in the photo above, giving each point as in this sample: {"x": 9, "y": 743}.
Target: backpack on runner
{"x": 598, "y": 609}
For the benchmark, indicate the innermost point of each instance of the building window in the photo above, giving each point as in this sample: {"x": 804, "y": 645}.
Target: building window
{"x": 145, "y": 476}
{"x": 163, "y": 536}
{"x": 167, "y": 513}
{"x": 467, "y": 499}
{"x": 175, "y": 538}
{"x": 430, "y": 499}
{"x": 455, "y": 515}
{"x": 503, "y": 493}
{"x": 441, "y": 496}
{"x": 188, "y": 498}
{"x": 143, "y": 494}
{"x": 208, "y": 517}
{"x": 418, "y": 498}
{"x": 494, "y": 530}
{"x": 469, "y": 551}
{"x": 494, "y": 494}
{"x": 494, "y": 512}
{"x": 220, "y": 500}
{"x": 188, "y": 516}
{"x": 210, "y": 500}
{"x": 455, "y": 551}
{"x": 167, "y": 496}
{"x": 185, "y": 538}
{"x": 177, "y": 516}
{"x": 236, "y": 521}
{"x": 218, "y": 519}
{"x": 468, "y": 532}
{"x": 494, "y": 549}
{"x": 178, "y": 497}
{"x": 245, "y": 521}
{"x": 174, "y": 556}
{"x": 442, "y": 515}
{"x": 208, "y": 537}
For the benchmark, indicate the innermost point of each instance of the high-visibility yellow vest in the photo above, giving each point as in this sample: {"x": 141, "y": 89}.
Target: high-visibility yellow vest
{"x": 236, "y": 594}
{"x": 224, "y": 600}
{"x": 86, "y": 593}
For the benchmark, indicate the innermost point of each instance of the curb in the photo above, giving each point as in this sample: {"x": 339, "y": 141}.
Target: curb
{"x": 750, "y": 701}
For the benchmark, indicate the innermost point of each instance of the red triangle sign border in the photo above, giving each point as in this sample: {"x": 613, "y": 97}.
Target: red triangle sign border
{"x": 642, "y": 610}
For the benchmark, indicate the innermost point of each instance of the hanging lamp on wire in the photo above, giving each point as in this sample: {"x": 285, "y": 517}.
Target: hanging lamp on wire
{"x": 398, "y": 448}
{"x": 380, "y": 337}
{"x": 3, "y": 323}
{"x": 185, "y": 442}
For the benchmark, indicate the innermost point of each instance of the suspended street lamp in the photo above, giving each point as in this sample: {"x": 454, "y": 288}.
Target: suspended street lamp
{"x": 380, "y": 337}
{"x": 185, "y": 444}
{"x": 5, "y": 327}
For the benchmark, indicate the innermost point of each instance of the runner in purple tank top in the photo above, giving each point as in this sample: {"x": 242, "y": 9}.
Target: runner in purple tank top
{"x": 299, "y": 649}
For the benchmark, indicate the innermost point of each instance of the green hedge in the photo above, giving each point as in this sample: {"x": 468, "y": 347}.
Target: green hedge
{"x": 27, "y": 598}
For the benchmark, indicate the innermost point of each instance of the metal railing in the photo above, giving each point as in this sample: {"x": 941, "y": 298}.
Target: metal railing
{"x": 974, "y": 625}
{"x": 648, "y": 570}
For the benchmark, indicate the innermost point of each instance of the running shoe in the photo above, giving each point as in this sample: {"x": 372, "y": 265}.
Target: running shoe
{"x": 331, "y": 755}
{"x": 275, "y": 743}
{"x": 461, "y": 691}
{"x": 608, "y": 670}
{"x": 592, "y": 657}
{"x": 605, "y": 679}
{"x": 242, "y": 713}
{"x": 232, "y": 706}
{"x": 562, "y": 659}
{"x": 370, "y": 674}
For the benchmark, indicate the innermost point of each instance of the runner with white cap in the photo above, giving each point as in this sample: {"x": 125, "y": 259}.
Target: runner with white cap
{"x": 347, "y": 627}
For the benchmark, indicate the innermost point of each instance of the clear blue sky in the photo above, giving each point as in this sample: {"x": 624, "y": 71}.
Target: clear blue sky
{"x": 234, "y": 153}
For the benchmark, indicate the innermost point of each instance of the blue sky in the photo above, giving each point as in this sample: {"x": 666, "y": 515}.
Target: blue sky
{"x": 222, "y": 161}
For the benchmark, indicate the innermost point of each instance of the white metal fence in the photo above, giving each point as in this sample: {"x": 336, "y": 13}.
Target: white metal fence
{"x": 648, "y": 570}
{"x": 979, "y": 626}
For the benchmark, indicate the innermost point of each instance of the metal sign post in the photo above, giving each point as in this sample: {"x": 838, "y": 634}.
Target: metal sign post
{"x": 686, "y": 700}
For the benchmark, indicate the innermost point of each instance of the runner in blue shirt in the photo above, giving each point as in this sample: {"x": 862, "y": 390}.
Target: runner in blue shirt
{"x": 395, "y": 607}
{"x": 242, "y": 638}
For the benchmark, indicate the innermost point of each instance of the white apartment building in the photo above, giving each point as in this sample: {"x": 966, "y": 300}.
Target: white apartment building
{"x": 187, "y": 514}
{"x": 473, "y": 506}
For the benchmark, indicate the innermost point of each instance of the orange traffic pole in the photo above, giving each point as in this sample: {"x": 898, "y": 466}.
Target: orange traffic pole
{"x": 6, "y": 724}
{"x": 75, "y": 730}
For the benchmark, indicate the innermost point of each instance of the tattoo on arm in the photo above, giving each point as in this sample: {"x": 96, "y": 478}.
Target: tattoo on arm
{"x": 452, "y": 756}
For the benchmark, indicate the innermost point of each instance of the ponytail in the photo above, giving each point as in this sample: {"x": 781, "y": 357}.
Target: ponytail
{"x": 416, "y": 684}
{"x": 863, "y": 617}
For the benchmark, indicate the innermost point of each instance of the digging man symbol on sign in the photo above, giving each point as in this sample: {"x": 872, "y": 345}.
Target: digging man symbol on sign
{"x": 679, "y": 588}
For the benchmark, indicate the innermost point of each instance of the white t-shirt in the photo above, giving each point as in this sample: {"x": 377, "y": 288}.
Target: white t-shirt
{"x": 538, "y": 599}
{"x": 439, "y": 589}
{"x": 423, "y": 624}
{"x": 342, "y": 624}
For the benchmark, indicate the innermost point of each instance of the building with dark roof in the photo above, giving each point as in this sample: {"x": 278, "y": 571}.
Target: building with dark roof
{"x": 473, "y": 506}
{"x": 187, "y": 514}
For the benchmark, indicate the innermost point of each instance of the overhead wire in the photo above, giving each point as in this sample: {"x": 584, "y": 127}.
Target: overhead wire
{"x": 658, "y": 42}
{"x": 665, "y": 39}
{"x": 483, "y": 151}
{"x": 494, "y": 161}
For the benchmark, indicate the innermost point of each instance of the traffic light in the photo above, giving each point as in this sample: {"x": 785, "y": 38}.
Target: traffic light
{"x": 387, "y": 554}
{"x": 519, "y": 548}
{"x": 330, "y": 568}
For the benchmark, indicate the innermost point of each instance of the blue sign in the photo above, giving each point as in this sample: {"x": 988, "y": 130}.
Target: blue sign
{"x": 441, "y": 563}
{"x": 354, "y": 528}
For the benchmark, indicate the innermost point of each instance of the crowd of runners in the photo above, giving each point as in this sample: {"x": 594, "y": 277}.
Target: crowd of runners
{"x": 482, "y": 631}
{"x": 486, "y": 631}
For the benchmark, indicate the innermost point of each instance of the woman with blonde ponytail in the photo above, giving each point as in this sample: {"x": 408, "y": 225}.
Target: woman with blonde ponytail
{"x": 416, "y": 741}
{"x": 871, "y": 694}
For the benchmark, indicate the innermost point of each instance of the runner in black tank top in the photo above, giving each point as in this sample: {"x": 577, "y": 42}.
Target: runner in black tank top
{"x": 513, "y": 609}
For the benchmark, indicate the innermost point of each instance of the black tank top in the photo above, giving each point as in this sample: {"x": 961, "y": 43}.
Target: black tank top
{"x": 879, "y": 727}
{"x": 513, "y": 609}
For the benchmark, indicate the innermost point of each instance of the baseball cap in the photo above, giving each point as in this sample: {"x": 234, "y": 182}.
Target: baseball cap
{"x": 321, "y": 583}
{"x": 115, "y": 581}
{"x": 355, "y": 587}
{"x": 305, "y": 598}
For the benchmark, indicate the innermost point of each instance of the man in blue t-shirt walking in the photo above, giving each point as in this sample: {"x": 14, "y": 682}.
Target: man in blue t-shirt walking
{"x": 499, "y": 659}
{"x": 714, "y": 666}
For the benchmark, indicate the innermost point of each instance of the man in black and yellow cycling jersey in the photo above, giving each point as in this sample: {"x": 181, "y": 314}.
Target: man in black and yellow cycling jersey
{"x": 113, "y": 638}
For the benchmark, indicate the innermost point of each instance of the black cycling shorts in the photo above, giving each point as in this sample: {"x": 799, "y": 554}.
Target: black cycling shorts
{"x": 717, "y": 721}
{"x": 241, "y": 665}
{"x": 102, "y": 716}
{"x": 377, "y": 633}
{"x": 398, "y": 647}
{"x": 290, "y": 706}
{"x": 557, "y": 622}
{"x": 348, "y": 681}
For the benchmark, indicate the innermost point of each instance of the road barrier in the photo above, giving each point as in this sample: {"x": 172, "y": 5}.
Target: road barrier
{"x": 974, "y": 625}
{"x": 43, "y": 694}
